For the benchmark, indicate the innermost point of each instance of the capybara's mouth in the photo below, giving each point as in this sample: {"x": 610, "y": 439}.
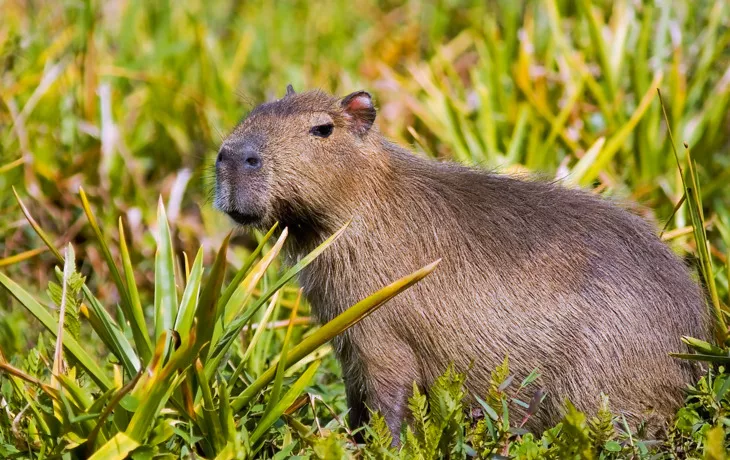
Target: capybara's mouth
{"x": 244, "y": 218}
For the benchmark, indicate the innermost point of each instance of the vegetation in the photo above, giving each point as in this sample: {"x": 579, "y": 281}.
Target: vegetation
{"x": 107, "y": 106}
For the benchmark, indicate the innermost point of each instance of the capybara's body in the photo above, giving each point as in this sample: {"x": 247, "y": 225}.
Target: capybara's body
{"x": 560, "y": 280}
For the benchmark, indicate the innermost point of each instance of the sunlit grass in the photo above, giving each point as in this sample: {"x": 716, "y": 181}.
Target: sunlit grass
{"x": 129, "y": 99}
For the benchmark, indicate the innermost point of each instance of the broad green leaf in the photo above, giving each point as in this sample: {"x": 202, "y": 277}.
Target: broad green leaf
{"x": 165, "y": 290}
{"x": 117, "y": 448}
{"x": 189, "y": 302}
{"x": 155, "y": 387}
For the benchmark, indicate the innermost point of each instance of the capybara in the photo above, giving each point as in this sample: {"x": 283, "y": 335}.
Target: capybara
{"x": 559, "y": 279}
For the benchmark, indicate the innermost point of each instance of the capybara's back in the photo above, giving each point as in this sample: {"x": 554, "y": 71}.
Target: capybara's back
{"x": 560, "y": 280}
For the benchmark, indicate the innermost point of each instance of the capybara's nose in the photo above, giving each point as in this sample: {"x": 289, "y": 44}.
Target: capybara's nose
{"x": 251, "y": 159}
{"x": 244, "y": 152}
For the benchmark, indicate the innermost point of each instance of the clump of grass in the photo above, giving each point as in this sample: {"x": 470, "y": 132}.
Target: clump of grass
{"x": 182, "y": 388}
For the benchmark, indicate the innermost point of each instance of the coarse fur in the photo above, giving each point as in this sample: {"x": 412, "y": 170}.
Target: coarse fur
{"x": 559, "y": 279}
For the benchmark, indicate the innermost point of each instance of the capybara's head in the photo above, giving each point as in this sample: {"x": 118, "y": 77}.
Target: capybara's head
{"x": 294, "y": 159}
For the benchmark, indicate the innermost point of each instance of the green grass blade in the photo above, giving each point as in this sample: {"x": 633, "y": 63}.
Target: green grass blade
{"x": 135, "y": 304}
{"x": 579, "y": 170}
{"x": 207, "y": 312}
{"x": 25, "y": 255}
{"x": 281, "y": 367}
{"x": 614, "y": 144}
{"x": 245, "y": 289}
{"x": 155, "y": 387}
{"x": 518, "y": 137}
{"x": 599, "y": 45}
{"x": 69, "y": 267}
{"x": 211, "y": 419}
{"x": 287, "y": 400}
{"x": 37, "y": 228}
{"x": 690, "y": 183}
{"x": 111, "y": 334}
{"x": 251, "y": 346}
{"x": 105, "y": 326}
{"x": 228, "y": 424}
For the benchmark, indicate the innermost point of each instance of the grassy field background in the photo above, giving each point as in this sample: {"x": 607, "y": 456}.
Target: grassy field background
{"x": 129, "y": 99}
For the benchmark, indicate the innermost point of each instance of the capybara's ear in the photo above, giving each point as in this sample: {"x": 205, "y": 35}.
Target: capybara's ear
{"x": 359, "y": 111}
{"x": 289, "y": 90}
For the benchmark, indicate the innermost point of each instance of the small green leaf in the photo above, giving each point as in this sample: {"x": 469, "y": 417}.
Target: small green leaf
{"x": 612, "y": 446}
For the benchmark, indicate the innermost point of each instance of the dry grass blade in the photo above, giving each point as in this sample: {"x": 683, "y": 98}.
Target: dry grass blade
{"x": 68, "y": 269}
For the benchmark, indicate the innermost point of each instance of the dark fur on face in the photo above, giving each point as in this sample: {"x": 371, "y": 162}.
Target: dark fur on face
{"x": 559, "y": 279}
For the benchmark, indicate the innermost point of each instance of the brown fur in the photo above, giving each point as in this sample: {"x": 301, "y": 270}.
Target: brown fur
{"x": 559, "y": 279}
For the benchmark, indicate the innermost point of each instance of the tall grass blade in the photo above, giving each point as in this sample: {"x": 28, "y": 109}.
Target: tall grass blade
{"x": 189, "y": 302}
{"x": 136, "y": 322}
{"x": 37, "y": 228}
{"x": 243, "y": 292}
{"x": 211, "y": 419}
{"x": 207, "y": 312}
{"x": 690, "y": 183}
{"x": 155, "y": 388}
{"x": 135, "y": 303}
{"x": 614, "y": 144}
{"x": 111, "y": 334}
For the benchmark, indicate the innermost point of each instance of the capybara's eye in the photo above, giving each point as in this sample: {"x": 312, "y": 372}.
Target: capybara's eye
{"x": 322, "y": 130}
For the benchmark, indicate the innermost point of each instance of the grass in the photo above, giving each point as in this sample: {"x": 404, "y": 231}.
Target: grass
{"x": 106, "y": 106}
